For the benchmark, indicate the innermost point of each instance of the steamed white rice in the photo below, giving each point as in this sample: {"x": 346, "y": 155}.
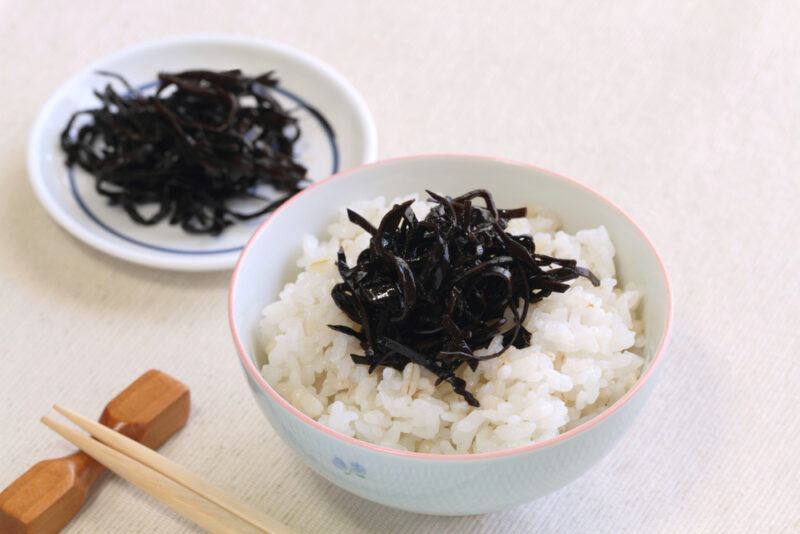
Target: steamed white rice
{"x": 582, "y": 358}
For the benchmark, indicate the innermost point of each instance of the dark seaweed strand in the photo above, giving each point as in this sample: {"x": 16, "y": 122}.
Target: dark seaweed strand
{"x": 432, "y": 292}
{"x": 203, "y": 141}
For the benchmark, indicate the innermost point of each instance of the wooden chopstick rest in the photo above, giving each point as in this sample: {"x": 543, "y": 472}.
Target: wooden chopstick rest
{"x": 47, "y": 496}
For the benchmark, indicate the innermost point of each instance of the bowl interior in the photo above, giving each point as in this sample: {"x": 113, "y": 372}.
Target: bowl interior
{"x": 270, "y": 260}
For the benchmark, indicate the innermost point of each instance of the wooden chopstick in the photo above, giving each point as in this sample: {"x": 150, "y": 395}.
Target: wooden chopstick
{"x": 171, "y": 470}
{"x": 179, "y": 494}
{"x": 184, "y": 501}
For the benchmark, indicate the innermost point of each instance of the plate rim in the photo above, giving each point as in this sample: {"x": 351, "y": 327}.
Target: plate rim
{"x": 160, "y": 259}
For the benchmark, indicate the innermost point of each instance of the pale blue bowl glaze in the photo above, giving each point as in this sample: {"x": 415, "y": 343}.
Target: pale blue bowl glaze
{"x": 431, "y": 483}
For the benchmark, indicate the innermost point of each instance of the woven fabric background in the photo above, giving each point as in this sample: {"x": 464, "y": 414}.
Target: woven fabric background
{"x": 685, "y": 113}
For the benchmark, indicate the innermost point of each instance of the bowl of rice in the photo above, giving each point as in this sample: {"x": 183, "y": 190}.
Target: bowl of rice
{"x": 542, "y": 412}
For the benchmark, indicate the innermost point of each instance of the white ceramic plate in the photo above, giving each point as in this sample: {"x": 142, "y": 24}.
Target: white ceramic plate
{"x": 69, "y": 196}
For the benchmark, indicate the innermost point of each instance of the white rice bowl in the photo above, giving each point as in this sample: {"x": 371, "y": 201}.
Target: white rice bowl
{"x": 582, "y": 358}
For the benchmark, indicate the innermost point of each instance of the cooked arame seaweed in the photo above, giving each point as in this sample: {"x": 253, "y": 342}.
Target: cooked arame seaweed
{"x": 203, "y": 140}
{"x": 432, "y": 292}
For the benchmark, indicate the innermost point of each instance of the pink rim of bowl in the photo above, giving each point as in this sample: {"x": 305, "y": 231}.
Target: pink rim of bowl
{"x": 254, "y": 373}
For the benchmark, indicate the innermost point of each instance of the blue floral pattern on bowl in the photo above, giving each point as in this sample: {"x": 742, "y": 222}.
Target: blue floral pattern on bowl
{"x": 354, "y": 468}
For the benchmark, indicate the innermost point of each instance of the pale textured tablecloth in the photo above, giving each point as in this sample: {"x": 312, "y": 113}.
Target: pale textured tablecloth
{"x": 685, "y": 113}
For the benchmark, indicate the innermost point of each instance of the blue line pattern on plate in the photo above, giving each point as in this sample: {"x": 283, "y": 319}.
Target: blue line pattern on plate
{"x": 323, "y": 122}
